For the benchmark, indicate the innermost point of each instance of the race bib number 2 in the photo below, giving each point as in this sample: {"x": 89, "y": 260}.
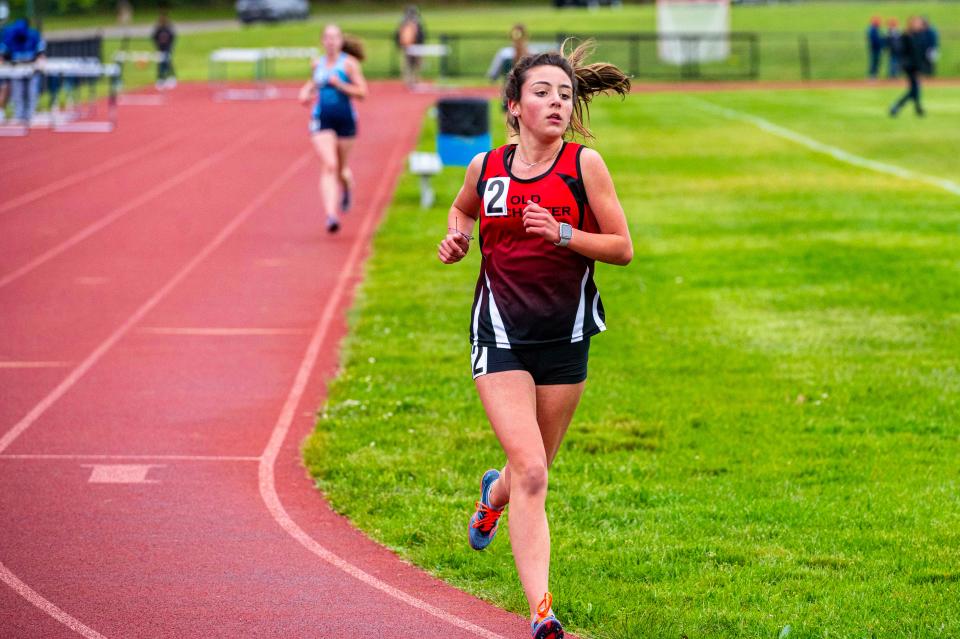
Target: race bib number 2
{"x": 495, "y": 197}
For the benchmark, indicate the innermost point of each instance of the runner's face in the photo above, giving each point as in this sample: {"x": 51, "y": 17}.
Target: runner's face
{"x": 332, "y": 40}
{"x": 546, "y": 101}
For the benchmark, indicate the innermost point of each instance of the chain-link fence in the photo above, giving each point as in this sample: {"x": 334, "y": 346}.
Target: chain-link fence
{"x": 766, "y": 56}
{"x": 470, "y": 57}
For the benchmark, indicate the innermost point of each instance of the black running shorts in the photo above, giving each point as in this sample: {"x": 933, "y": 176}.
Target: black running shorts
{"x": 340, "y": 122}
{"x": 564, "y": 363}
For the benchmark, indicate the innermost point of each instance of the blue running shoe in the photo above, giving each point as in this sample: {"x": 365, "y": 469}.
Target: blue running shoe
{"x": 486, "y": 520}
{"x": 546, "y": 626}
{"x": 345, "y": 200}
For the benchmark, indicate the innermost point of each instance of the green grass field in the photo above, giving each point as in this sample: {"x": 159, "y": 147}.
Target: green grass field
{"x": 834, "y": 32}
{"x": 770, "y": 429}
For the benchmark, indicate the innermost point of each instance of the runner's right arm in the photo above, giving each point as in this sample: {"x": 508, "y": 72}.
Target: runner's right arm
{"x": 306, "y": 92}
{"x": 462, "y": 216}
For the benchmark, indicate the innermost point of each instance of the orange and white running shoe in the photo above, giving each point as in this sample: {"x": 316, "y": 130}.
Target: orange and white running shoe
{"x": 546, "y": 626}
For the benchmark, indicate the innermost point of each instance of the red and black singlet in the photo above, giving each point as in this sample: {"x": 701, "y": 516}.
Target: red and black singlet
{"x": 531, "y": 292}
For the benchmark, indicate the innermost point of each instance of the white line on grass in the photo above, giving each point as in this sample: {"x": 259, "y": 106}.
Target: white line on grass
{"x": 832, "y": 151}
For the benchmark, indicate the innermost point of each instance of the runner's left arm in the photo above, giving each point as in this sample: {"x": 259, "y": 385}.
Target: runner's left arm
{"x": 357, "y": 87}
{"x": 612, "y": 244}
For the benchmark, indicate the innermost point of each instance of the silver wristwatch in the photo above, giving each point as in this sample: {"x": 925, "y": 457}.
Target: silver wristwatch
{"x": 566, "y": 232}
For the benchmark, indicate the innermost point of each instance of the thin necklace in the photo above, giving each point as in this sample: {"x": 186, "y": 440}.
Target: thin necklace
{"x": 533, "y": 164}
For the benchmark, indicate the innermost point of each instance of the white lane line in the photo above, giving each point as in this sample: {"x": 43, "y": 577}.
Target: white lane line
{"x": 215, "y": 458}
{"x": 198, "y": 330}
{"x": 37, "y": 364}
{"x": 70, "y": 180}
{"x": 268, "y": 489}
{"x": 135, "y": 99}
{"x": 131, "y": 205}
{"x": 832, "y": 151}
{"x": 11, "y": 435}
{"x": 37, "y": 600}
{"x": 121, "y": 473}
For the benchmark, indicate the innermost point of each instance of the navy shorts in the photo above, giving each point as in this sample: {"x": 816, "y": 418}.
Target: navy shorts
{"x": 340, "y": 122}
{"x": 564, "y": 363}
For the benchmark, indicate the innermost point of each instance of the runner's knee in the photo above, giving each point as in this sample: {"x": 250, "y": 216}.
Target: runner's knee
{"x": 328, "y": 164}
{"x": 529, "y": 476}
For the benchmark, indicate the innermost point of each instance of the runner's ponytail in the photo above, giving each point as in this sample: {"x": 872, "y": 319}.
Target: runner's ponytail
{"x": 353, "y": 46}
{"x": 598, "y": 77}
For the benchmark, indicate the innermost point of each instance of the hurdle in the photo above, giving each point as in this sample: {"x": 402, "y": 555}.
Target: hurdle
{"x": 438, "y": 51}
{"x": 139, "y": 58}
{"x": 263, "y": 62}
{"x": 143, "y": 57}
{"x": 68, "y": 73}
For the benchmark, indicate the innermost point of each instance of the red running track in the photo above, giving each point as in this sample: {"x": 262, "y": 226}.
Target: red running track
{"x": 171, "y": 308}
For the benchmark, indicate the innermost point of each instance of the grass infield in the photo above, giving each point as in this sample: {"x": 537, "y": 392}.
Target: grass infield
{"x": 767, "y": 444}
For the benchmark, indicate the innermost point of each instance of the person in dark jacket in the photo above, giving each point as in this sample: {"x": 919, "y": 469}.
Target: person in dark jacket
{"x": 22, "y": 44}
{"x": 913, "y": 60}
{"x": 876, "y": 43}
{"x": 931, "y": 46}
{"x": 163, "y": 38}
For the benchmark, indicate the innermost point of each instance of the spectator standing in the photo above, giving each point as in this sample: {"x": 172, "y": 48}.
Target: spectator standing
{"x": 410, "y": 32}
{"x": 913, "y": 59}
{"x": 163, "y": 39}
{"x": 875, "y": 46}
{"x": 505, "y": 58}
{"x": 125, "y": 19}
{"x": 520, "y": 38}
{"x": 893, "y": 45}
{"x": 22, "y": 44}
{"x": 124, "y": 13}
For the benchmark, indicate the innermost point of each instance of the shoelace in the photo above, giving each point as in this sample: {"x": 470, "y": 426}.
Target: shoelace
{"x": 544, "y": 607}
{"x": 486, "y": 517}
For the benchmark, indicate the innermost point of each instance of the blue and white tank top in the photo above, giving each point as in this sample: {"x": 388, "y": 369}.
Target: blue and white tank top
{"x": 330, "y": 98}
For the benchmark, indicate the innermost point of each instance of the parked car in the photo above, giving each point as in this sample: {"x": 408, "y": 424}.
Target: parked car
{"x": 272, "y": 10}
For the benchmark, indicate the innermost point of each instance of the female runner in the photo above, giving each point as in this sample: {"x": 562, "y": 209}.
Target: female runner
{"x": 337, "y": 78}
{"x": 547, "y": 209}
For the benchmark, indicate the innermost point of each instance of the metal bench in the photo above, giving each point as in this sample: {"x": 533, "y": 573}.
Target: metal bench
{"x": 425, "y": 165}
